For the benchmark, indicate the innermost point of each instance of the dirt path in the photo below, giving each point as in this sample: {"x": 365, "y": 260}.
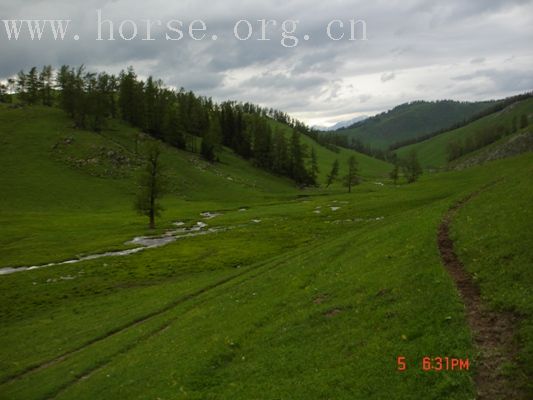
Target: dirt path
{"x": 493, "y": 332}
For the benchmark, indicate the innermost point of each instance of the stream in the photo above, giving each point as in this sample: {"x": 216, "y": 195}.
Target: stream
{"x": 142, "y": 243}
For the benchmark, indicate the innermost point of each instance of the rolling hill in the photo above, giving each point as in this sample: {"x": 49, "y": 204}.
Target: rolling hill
{"x": 266, "y": 289}
{"x": 432, "y": 153}
{"x": 411, "y": 120}
{"x": 44, "y": 161}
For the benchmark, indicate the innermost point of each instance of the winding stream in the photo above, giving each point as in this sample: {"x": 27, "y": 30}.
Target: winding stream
{"x": 142, "y": 242}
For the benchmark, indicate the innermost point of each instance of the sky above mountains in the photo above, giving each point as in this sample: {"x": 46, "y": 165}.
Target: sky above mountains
{"x": 413, "y": 50}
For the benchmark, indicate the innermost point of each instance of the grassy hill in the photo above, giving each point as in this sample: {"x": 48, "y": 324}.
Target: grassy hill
{"x": 300, "y": 294}
{"x": 432, "y": 153}
{"x": 369, "y": 167}
{"x": 411, "y": 120}
{"x": 52, "y": 169}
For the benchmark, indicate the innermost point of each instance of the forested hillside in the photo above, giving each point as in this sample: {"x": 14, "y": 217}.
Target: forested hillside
{"x": 268, "y": 138}
{"x": 410, "y": 120}
{"x": 437, "y": 151}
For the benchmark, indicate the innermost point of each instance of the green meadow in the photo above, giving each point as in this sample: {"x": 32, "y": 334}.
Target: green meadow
{"x": 294, "y": 294}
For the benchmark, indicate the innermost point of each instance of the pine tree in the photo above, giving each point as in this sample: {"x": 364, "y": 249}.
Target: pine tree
{"x": 22, "y": 87}
{"x": 45, "y": 85}
{"x": 296, "y": 159}
{"x": 150, "y": 98}
{"x": 262, "y": 143}
{"x": 65, "y": 83}
{"x": 280, "y": 159}
{"x": 211, "y": 140}
{"x": 79, "y": 100}
{"x": 333, "y": 173}
{"x": 412, "y": 167}
{"x": 151, "y": 186}
{"x": 395, "y": 173}
{"x": 523, "y": 121}
{"x": 351, "y": 178}
{"x": 131, "y": 98}
{"x": 33, "y": 87}
{"x": 174, "y": 132}
{"x": 313, "y": 171}
{"x": 3, "y": 93}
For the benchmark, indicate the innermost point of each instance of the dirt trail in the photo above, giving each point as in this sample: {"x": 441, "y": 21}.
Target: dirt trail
{"x": 493, "y": 332}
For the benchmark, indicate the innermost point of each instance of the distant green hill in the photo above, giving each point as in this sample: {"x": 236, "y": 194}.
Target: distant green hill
{"x": 432, "y": 153}
{"x": 412, "y": 120}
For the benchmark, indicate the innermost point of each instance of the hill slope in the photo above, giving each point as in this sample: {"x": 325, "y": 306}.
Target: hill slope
{"x": 237, "y": 311}
{"x": 432, "y": 153}
{"x": 369, "y": 167}
{"x": 411, "y": 120}
{"x": 55, "y": 173}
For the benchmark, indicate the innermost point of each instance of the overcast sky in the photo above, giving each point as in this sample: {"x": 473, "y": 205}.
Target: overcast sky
{"x": 458, "y": 49}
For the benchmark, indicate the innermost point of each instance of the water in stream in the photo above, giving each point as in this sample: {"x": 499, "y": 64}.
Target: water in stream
{"x": 142, "y": 243}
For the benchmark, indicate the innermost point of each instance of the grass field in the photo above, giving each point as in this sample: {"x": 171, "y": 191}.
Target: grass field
{"x": 307, "y": 294}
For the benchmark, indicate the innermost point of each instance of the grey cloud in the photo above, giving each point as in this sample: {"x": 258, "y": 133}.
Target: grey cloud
{"x": 318, "y": 79}
{"x": 387, "y": 76}
{"x": 363, "y": 98}
{"x": 501, "y": 79}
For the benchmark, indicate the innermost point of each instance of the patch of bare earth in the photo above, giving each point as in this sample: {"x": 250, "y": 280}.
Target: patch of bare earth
{"x": 332, "y": 313}
{"x": 494, "y": 332}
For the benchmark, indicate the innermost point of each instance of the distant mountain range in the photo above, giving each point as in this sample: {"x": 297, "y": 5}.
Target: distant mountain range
{"x": 340, "y": 124}
{"x": 412, "y": 120}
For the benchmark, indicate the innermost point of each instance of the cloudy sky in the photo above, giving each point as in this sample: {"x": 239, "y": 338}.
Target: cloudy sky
{"x": 415, "y": 49}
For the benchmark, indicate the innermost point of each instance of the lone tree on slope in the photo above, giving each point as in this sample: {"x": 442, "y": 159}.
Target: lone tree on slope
{"x": 351, "y": 178}
{"x": 395, "y": 173}
{"x": 151, "y": 185}
{"x": 333, "y": 173}
{"x": 412, "y": 167}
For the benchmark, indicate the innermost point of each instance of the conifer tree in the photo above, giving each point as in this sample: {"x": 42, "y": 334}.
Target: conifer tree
{"x": 22, "y": 87}
{"x": 333, "y": 173}
{"x": 313, "y": 172}
{"x": 45, "y": 85}
{"x": 351, "y": 178}
{"x": 262, "y": 143}
{"x": 151, "y": 185}
{"x": 296, "y": 159}
{"x": 395, "y": 173}
{"x": 523, "y": 121}
{"x": 280, "y": 159}
{"x": 412, "y": 168}
{"x": 32, "y": 86}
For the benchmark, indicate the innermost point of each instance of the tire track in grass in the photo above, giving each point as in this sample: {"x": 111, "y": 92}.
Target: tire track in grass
{"x": 147, "y": 317}
{"x": 494, "y": 332}
{"x": 114, "y": 331}
{"x": 165, "y": 325}
{"x": 121, "y": 328}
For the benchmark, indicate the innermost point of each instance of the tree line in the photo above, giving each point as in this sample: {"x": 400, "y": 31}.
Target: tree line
{"x": 177, "y": 117}
{"x": 497, "y": 106}
{"x": 483, "y": 137}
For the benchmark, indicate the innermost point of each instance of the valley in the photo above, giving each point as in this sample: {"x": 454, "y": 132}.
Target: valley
{"x": 316, "y": 286}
